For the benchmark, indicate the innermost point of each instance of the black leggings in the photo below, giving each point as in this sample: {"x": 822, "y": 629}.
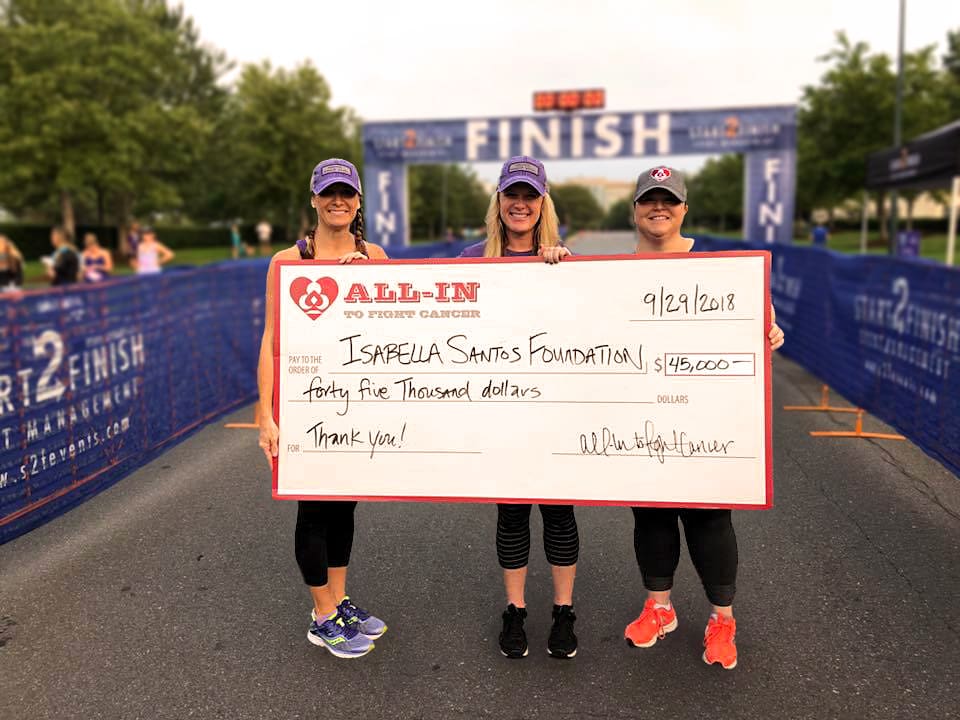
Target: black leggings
{"x": 323, "y": 538}
{"x": 561, "y": 542}
{"x": 710, "y": 539}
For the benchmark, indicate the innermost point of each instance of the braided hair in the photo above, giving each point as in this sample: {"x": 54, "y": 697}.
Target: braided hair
{"x": 356, "y": 227}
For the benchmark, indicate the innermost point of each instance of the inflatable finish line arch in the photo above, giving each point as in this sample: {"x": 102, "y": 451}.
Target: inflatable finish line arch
{"x": 766, "y": 135}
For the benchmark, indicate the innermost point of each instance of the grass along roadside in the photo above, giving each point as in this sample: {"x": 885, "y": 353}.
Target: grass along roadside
{"x": 932, "y": 247}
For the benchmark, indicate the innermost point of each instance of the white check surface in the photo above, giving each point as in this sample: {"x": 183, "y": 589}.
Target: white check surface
{"x": 627, "y": 381}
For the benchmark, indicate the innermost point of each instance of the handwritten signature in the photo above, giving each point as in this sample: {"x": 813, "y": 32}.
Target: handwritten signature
{"x": 650, "y": 441}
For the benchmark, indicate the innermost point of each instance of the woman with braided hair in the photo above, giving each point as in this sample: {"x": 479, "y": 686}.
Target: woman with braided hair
{"x": 324, "y": 532}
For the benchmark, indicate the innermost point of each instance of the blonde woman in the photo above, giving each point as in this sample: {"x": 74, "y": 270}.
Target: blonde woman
{"x": 323, "y": 538}
{"x": 11, "y": 265}
{"x": 522, "y": 221}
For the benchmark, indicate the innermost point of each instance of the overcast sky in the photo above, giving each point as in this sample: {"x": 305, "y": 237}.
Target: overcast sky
{"x": 416, "y": 59}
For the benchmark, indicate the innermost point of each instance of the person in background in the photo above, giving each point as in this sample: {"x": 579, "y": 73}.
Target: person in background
{"x": 521, "y": 221}
{"x": 819, "y": 234}
{"x": 63, "y": 267}
{"x": 264, "y": 231}
{"x": 130, "y": 243}
{"x": 323, "y": 539}
{"x": 97, "y": 260}
{"x": 151, "y": 253}
{"x": 11, "y": 265}
{"x": 659, "y": 206}
{"x": 236, "y": 242}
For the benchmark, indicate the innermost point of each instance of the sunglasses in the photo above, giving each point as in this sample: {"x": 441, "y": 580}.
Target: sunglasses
{"x": 669, "y": 200}
{"x": 338, "y": 189}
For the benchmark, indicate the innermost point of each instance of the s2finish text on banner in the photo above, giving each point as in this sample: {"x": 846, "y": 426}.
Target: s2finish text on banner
{"x": 640, "y": 382}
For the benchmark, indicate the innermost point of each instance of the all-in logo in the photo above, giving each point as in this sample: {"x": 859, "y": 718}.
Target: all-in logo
{"x": 314, "y": 296}
{"x": 660, "y": 173}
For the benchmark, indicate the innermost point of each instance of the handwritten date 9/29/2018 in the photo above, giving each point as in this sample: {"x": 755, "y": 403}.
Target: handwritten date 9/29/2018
{"x": 668, "y": 303}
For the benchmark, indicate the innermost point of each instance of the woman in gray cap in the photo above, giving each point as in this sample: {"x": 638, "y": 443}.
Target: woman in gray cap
{"x": 659, "y": 206}
{"x": 522, "y": 221}
{"x": 324, "y": 533}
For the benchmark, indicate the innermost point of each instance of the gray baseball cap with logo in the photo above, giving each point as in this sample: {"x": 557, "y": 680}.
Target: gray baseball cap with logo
{"x": 661, "y": 177}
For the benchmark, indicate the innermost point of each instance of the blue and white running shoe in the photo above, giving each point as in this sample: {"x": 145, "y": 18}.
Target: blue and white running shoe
{"x": 339, "y": 638}
{"x": 356, "y": 617}
{"x": 372, "y": 627}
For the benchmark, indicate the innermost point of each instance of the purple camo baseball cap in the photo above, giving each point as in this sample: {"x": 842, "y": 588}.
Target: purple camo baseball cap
{"x": 523, "y": 169}
{"x": 333, "y": 171}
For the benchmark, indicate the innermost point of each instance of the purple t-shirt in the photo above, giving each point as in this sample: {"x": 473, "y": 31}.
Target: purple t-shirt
{"x": 476, "y": 250}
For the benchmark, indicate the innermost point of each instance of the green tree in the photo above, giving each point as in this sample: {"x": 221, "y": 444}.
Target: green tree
{"x": 951, "y": 65}
{"x": 443, "y": 196}
{"x": 716, "y": 193}
{"x": 850, "y": 114}
{"x": 104, "y": 101}
{"x": 577, "y": 207}
{"x": 277, "y": 126}
{"x": 619, "y": 216}
{"x": 841, "y": 120}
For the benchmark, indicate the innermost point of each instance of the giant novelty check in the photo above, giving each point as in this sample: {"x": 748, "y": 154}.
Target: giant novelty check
{"x": 641, "y": 380}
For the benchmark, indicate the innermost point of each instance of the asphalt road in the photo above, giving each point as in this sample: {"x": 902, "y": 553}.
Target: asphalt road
{"x": 175, "y": 594}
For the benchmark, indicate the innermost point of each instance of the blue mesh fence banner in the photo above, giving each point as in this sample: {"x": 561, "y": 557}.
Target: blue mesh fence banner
{"x": 883, "y": 332}
{"x": 95, "y": 380}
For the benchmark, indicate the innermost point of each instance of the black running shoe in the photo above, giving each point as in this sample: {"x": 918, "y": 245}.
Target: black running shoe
{"x": 513, "y": 640}
{"x": 563, "y": 641}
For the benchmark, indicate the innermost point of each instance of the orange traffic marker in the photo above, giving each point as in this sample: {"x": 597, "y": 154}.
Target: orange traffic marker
{"x": 824, "y": 405}
{"x": 857, "y": 432}
{"x": 254, "y": 424}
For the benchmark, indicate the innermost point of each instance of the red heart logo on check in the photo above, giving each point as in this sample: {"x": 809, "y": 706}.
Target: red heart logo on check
{"x": 314, "y": 296}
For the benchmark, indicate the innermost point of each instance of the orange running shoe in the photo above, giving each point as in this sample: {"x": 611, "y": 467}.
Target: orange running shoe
{"x": 652, "y": 625}
{"x": 718, "y": 642}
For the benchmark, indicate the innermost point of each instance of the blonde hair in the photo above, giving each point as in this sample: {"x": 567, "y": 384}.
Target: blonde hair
{"x": 6, "y": 244}
{"x": 546, "y": 233}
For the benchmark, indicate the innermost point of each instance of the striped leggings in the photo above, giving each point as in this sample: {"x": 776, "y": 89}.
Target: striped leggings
{"x": 561, "y": 541}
